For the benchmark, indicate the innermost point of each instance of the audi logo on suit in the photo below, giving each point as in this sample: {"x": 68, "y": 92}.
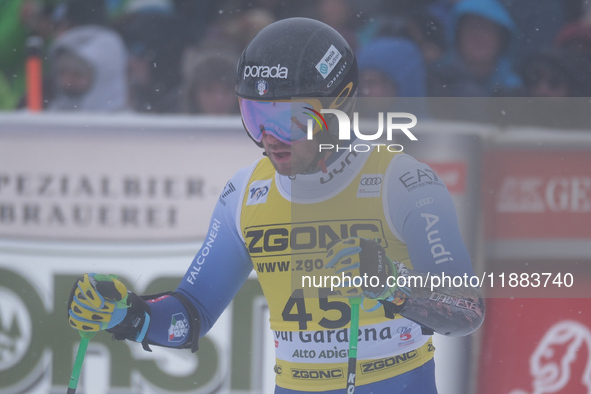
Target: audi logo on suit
{"x": 369, "y": 181}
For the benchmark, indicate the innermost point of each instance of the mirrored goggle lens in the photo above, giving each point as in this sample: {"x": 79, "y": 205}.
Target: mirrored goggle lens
{"x": 285, "y": 120}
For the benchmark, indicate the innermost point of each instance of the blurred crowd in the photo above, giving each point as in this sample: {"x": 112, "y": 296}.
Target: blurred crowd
{"x": 179, "y": 56}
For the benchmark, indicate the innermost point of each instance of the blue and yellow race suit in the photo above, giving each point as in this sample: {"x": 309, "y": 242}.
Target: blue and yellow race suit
{"x": 280, "y": 226}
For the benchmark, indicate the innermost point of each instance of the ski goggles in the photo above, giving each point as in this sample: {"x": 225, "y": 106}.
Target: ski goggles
{"x": 285, "y": 120}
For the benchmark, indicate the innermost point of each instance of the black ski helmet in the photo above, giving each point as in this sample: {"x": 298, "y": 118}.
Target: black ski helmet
{"x": 299, "y": 57}
{"x": 296, "y": 57}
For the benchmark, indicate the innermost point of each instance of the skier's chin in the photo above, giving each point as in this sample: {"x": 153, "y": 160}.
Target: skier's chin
{"x": 283, "y": 169}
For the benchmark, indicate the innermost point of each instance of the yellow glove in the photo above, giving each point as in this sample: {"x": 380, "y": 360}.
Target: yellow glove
{"x": 97, "y": 302}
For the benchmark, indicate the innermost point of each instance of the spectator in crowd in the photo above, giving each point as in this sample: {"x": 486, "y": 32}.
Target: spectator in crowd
{"x": 88, "y": 70}
{"x": 209, "y": 79}
{"x": 548, "y": 74}
{"x": 155, "y": 45}
{"x": 550, "y": 78}
{"x": 575, "y": 40}
{"x": 480, "y": 54}
{"x": 476, "y": 59}
{"x": 391, "y": 67}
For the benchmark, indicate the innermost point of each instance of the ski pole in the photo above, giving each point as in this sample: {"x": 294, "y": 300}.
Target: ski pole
{"x": 84, "y": 339}
{"x": 352, "y": 366}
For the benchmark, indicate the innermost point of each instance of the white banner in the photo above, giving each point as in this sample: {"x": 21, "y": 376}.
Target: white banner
{"x": 129, "y": 195}
{"x": 123, "y": 178}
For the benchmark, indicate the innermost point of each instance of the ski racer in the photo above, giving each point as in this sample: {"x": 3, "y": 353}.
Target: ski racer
{"x": 317, "y": 213}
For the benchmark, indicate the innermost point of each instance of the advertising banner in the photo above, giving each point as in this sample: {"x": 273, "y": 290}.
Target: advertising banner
{"x": 537, "y": 214}
{"x": 122, "y": 178}
{"x": 37, "y": 346}
{"x": 539, "y": 345}
{"x": 539, "y": 198}
{"x": 126, "y": 195}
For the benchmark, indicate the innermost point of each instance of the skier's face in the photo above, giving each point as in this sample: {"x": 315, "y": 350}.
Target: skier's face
{"x": 290, "y": 159}
{"x": 280, "y": 126}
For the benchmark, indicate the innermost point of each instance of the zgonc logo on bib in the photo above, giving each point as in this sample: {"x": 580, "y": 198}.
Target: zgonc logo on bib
{"x": 266, "y": 71}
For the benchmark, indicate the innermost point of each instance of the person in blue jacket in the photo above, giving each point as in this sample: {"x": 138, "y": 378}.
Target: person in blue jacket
{"x": 482, "y": 40}
{"x": 394, "y": 65}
